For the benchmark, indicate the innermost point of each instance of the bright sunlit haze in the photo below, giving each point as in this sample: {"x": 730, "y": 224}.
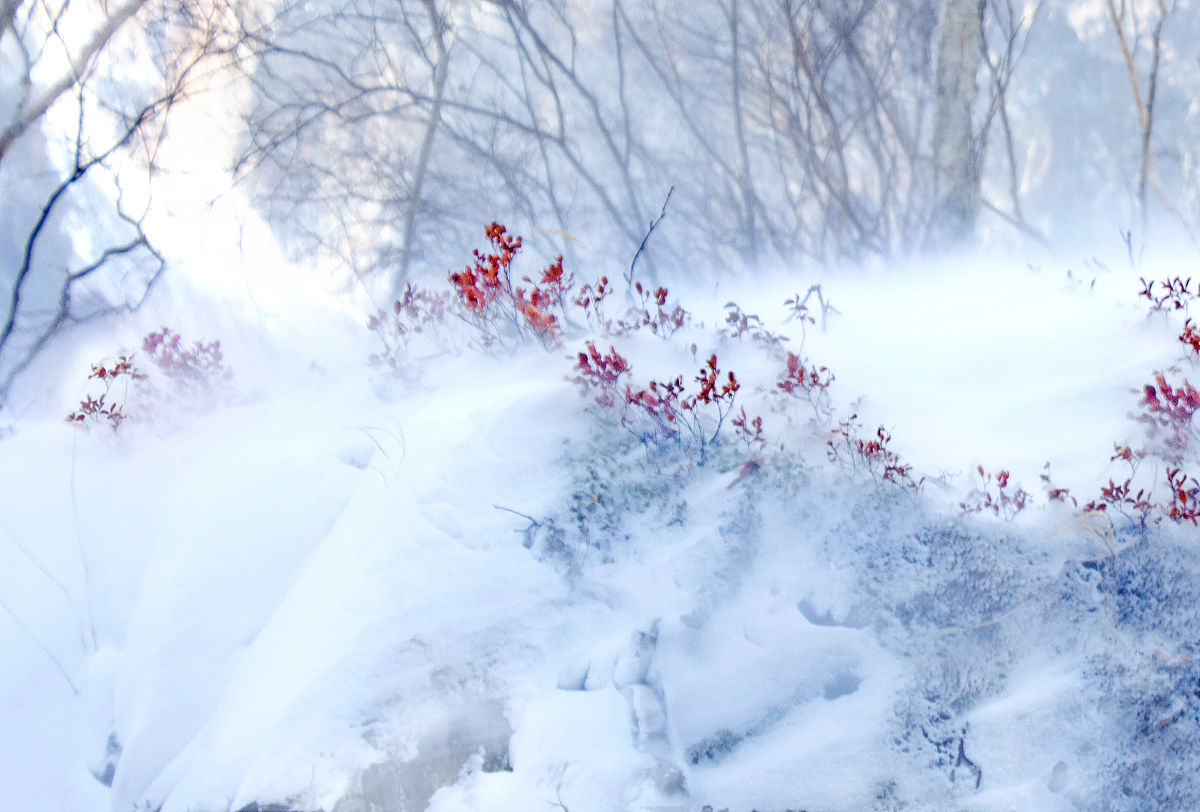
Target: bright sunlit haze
{"x": 510, "y": 405}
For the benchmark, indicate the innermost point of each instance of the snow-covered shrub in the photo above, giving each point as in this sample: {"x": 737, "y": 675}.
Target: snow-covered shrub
{"x": 930, "y": 719}
{"x": 418, "y": 313}
{"x": 1150, "y": 675}
{"x": 1167, "y": 413}
{"x": 715, "y": 746}
{"x": 196, "y": 371}
{"x": 943, "y": 576}
{"x": 182, "y": 379}
{"x": 611, "y": 498}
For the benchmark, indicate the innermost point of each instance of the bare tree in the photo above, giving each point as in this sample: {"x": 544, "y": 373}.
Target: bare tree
{"x": 340, "y": 138}
{"x": 846, "y": 90}
{"x": 1124, "y": 16}
{"x": 1004, "y": 40}
{"x": 440, "y": 71}
{"x": 117, "y": 128}
{"x": 347, "y": 106}
{"x": 956, "y": 149}
{"x": 384, "y": 134}
{"x": 32, "y": 106}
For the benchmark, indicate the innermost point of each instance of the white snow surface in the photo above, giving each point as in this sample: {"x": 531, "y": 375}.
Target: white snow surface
{"x": 259, "y": 602}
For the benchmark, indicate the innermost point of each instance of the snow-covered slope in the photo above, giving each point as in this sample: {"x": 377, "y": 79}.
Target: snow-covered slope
{"x": 473, "y": 591}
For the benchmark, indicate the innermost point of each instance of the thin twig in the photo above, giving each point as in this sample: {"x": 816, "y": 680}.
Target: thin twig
{"x": 826, "y": 307}
{"x": 528, "y": 532}
{"x": 653, "y": 225}
{"x": 42, "y": 646}
{"x": 532, "y": 521}
{"x": 50, "y": 577}
{"x": 1017, "y": 222}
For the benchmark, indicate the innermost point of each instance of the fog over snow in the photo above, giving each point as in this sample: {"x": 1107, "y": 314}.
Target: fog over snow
{"x": 467, "y": 583}
{"x": 329, "y": 573}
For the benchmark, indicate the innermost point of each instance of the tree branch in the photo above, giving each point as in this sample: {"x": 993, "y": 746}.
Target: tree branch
{"x": 71, "y": 77}
{"x": 653, "y": 225}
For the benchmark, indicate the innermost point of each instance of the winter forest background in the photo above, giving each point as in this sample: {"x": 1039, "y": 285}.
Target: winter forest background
{"x": 360, "y": 506}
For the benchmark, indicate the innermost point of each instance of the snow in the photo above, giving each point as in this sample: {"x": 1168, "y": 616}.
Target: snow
{"x": 471, "y": 590}
{"x": 261, "y": 601}
{"x": 1013, "y": 366}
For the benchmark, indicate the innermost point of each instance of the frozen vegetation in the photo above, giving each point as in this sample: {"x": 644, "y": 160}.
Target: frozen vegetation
{"x": 474, "y": 589}
{"x": 816, "y": 446}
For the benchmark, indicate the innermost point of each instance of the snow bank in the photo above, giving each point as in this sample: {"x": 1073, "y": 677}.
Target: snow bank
{"x": 474, "y": 593}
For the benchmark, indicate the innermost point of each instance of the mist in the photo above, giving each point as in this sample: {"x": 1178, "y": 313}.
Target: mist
{"x": 639, "y": 404}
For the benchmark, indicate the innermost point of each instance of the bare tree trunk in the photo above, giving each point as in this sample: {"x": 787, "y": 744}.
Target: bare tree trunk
{"x": 955, "y": 150}
{"x": 8, "y": 12}
{"x": 745, "y": 184}
{"x": 1144, "y": 104}
{"x": 435, "y": 117}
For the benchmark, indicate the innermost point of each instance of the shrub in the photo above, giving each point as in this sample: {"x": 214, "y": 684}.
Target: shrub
{"x": 198, "y": 368}
{"x": 192, "y": 376}
{"x": 749, "y": 431}
{"x": 671, "y": 414}
{"x": 1053, "y": 492}
{"x": 600, "y": 375}
{"x": 661, "y": 322}
{"x": 417, "y": 312}
{"x": 847, "y": 447}
{"x": 663, "y": 413}
{"x": 486, "y": 290}
{"x": 481, "y": 295}
{"x": 650, "y": 311}
{"x": 590, "y": 299}
{"x": 1172, "y": 294}
{"x": 994, "y": 495}
{"x": 810, "y": 382}
{"x": 1190, "y": 338}
{"x": 108, "y": 407}
{"x": 1167, "y": 413}
{"x": 1185, "y": 497}
{"x": 741, "y": 325}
